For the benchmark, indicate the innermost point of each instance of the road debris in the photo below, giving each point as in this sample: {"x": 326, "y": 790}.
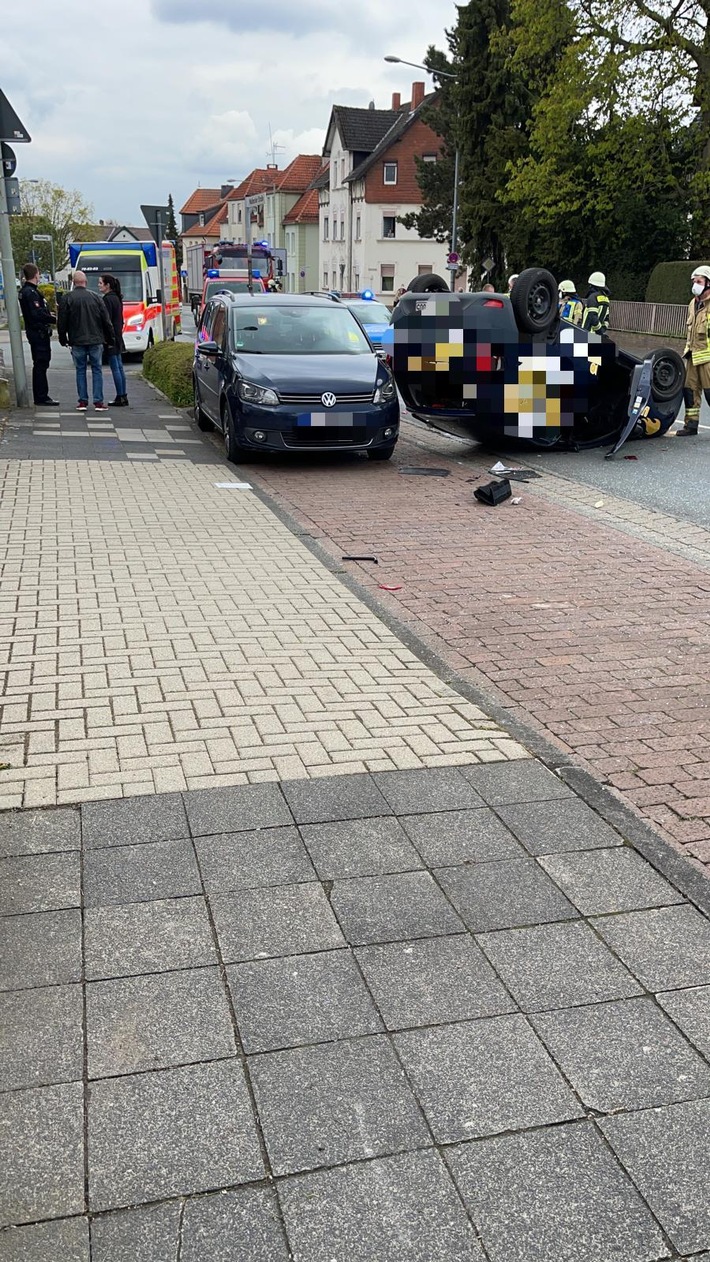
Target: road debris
{"x": 493, "y": 493}
{"x": 360, "y": 559}
{"x": 423, "y": 471}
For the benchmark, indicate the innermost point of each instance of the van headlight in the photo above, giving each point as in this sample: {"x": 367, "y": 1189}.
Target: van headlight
{"x": 386, "y": 391}
{"x": 257, "y": 394}
{"x": 135, "y": 322}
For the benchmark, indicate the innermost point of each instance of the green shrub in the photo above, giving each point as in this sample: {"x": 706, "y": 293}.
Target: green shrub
{"x": 50, "y": 295}
{"x": 626, "y": 286}
{"x": 169, "y": 366}
{"x": 670, "y": 282}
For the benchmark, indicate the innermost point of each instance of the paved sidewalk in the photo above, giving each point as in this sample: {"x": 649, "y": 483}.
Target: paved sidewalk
{"x": 160, "y": 631}
{"x": 426, "y": 1016}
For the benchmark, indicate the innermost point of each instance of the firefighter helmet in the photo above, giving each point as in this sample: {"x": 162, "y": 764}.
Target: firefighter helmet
{"x": 566, "y": 287}
{"x": 598, "y": 278}
{"x": 701, "y": 271}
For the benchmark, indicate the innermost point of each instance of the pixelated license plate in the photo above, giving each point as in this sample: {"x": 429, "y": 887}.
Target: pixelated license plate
{"x": 323, "y": 420}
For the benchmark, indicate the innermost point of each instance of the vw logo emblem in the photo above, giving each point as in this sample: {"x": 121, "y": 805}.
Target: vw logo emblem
{"x": 328, "y": 399}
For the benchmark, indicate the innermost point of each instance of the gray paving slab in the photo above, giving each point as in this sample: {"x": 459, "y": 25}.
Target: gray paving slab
{"x": 335, "y": 1102}
{"x": 623, "y": 1055}
{"x": 617, "y": 879}
{"x": 436, "y": 789}
{"x": 147, "y": 1234}
{"x": 39, "y": 832}
{"x": 281, "y": 920}
{"x": 398, "y": 1209}
{"x": 667, "y": 1153}
{"x": 137, "y": 874}
{"x": 154, "y": 817}
{"x": 229, "y": 1226}
{"x": 690, "y": 1009}
{"x": 47, "y": 882}
{"x": 147, "y": 938}
{"x": 170, "y": 1133}
{"x": 42, "y": 1153}
{"x": 334, "y": 798}
{"x": 241, "y": 808}
{"x": 665, "y": 949}
{"x": 156, "y": 1021}
{"x": 504, "y": 895}
{"x": 551, "y": 827}
{"x": 445, "y": 838}
{"x": 301, "y": 999}
{"x": 360, "y": 847}
{"x": 41, "y": 949}
{"x": 64, "y": 1240}
{"x": 557, "y": 966}
{"x": 242, "y": 861}
{"x": 41, "y": 1037}
{"x": 392, "y": 908}
{"x": 521, "y": 780}
{"x": 432, "y": 980}
{"x": 483, "y": 1077}
{"x": 555, "y": 1194}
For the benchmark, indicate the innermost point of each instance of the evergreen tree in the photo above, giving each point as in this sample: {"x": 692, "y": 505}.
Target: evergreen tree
{"x": 171, "y": 231}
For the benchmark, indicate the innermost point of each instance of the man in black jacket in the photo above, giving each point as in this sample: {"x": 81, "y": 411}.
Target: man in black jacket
{"x": 38, "y": 330}
{"x": 85, "y": 326}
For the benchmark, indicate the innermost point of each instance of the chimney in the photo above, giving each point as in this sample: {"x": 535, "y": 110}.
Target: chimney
{"x": 417, "y": 95}
{"x": 371, "y": 106}
{"x": 396, "y": 100}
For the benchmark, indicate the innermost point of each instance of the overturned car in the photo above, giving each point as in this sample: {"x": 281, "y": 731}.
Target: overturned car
{"x": 509, "y": 368}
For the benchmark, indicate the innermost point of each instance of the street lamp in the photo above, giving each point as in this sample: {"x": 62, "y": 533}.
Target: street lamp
{"x": 442, "y": 74}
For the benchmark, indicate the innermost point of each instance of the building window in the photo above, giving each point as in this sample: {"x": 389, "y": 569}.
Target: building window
{"x": 388, "y": 222}
{"x": 357, "y": 280}
{"x": 326, "y": 228}
{"x": 239, "y": 214}
{"x": 428, "y": 157}
{"x": 202, "y": 221}
{"x": 342, "y": 229}
{"x": 387, "y": 278}
{"x": 424, "y": 269}
{"x": 357, "y": 229}
{"x": 325, "y": 280}
{"x": 335, "y": 174}
{"x": 390, "y": 173}
{"x": 342, "y": 170}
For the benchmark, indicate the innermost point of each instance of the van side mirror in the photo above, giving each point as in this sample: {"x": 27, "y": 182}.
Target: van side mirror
{"x": 158, "y": 295}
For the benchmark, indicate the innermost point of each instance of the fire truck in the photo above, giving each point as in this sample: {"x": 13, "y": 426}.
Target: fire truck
{"x": 267, "y": 262}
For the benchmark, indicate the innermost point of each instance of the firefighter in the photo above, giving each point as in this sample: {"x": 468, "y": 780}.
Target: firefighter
{"x": 571, "y": 305}
{"x": 596, "y": 310}
{"x": 697, "y": 351}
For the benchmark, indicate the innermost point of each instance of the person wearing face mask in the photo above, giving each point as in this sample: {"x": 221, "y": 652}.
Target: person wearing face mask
{"x": 697, "y": 351}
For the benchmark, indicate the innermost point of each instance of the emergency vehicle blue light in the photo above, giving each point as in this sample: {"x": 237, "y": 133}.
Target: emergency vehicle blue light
{"x": 256, "y": 273}
{"x": 367, "y": 294}
{"x": 264, "y": 244}
{"x": 213, "y": 271}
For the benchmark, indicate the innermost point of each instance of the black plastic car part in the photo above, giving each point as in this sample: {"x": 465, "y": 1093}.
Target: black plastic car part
{"x": 667, "y": 374}
{"x": 534, "y": 300}
{"x": 429, "y": 283}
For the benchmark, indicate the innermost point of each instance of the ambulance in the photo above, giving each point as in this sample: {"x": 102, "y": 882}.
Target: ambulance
{"x": 135, "y": 266}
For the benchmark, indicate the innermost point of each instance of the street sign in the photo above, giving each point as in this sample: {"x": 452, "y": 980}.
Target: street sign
{"x": 452, "y": 259}
{"x": 10, "y": 126}
{"x": 156, "y": 218}
{"x": 41, "y": 236}
{"x": 9, "y": 161}
{"x": 12, "y": 192}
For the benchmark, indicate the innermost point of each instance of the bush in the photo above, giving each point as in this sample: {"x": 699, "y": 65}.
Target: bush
{"x": 50, "y": 295}
{"x": 169, "y": 366}
{"x": 626, "y": 286}
{"x": 670, "y": 282}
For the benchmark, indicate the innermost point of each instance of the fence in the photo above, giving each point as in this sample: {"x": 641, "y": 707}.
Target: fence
{"x": 661, "y": 319}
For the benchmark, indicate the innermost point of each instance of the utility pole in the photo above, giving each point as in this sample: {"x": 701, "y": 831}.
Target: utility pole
{"x": 11, "y": 303}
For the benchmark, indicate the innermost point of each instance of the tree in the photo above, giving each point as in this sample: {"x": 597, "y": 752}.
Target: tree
{"x": 171, "y": 231}
{"x": 47, "y": 209}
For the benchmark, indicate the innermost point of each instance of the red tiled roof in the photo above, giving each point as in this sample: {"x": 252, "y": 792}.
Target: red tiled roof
{"x": 258, "y": 181}
{"x": 201, "y": 199}
{"x": 305, "y": 210}
{"x": 211, "y": 228}
{"x": 299, "y": 173}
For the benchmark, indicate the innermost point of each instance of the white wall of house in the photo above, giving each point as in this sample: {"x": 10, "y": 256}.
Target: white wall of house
{"x": 302, "y": 256}
{"x": 334, "y": 228}
{"x": 383, "y": 262}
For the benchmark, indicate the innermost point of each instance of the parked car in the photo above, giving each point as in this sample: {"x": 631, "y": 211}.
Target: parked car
{"x": 508, "y": 367}
{"x": 227, "y": 283}
{"x": 374, "y": 316}
{"x": 291, "y": 372}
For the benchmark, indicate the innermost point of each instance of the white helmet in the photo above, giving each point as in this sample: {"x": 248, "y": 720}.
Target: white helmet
{"x": 701, "y": 271}
{"x": 598, "y": 278}
{"x": 566, "y": 287}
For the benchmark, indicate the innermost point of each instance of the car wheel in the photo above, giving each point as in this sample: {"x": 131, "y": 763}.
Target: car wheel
{"x": 667, "y": 375}
{"x": 429, "y": 283}
{"x": 232, "y": 447}
{"x": 203, "y": 422}
{"x": 534, "y": 300}
{"x": 381, "y": 453}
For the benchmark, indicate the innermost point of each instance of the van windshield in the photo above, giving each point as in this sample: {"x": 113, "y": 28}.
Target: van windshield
{"x": 297, "y": 330}
{"x": 131, "y": 282}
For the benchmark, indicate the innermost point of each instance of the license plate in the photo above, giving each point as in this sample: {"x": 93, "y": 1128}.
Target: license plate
{"x": 321, "y": 420}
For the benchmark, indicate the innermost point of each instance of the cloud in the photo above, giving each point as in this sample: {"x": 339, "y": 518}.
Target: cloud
{"x": 266, "y": 15}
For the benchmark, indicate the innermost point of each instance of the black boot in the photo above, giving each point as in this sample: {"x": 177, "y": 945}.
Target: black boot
{"x": 117, "y": 402}
{"x": 124, "y": 400}
{"x": 688, "y": 431}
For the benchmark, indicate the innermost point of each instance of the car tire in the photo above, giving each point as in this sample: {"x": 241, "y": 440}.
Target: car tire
{"x": 203, "y": 422}
{"x": 381, "y": 453}
{"x": 429, "y": 283}
{"x": 233, "y": 449}
{"x": 534, "y": 300}
{"x": 667, "y": 374}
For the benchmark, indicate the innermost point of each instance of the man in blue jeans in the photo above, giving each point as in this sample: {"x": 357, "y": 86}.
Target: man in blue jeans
{"x": 84, "y": 324}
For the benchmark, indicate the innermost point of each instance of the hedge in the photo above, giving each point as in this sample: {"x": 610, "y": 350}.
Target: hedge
{"x": 670, "y": 282}
{"x": 50, "y": 295}
{"x": 169, "y": 366}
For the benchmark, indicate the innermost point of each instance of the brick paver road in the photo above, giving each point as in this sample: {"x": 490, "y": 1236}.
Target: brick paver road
{"x": 592, "y": 625}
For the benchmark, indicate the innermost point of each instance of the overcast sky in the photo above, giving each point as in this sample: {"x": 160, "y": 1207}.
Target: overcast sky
{"x": 135, "y": 99}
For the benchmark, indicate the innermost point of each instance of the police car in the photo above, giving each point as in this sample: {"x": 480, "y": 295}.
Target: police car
{"x": 374, "y": 316}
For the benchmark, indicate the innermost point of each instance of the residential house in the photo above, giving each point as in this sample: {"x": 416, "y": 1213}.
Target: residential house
{"x": 372, "y": 183}
{"x": 287, "y": 191}
{"x": 129, "y": 234}
{"x": 301, "y": 233}
{"x": 198, "y": 212}
{"x": 253, "y": 187}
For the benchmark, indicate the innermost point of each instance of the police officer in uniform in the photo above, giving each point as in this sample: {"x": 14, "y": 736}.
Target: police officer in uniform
{"x": 697, "y": 351}
{"x": 38, "y": 330}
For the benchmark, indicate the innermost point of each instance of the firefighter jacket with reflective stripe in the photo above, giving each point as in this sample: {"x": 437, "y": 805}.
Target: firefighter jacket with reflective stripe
{"x": 573, "y": 309}
{"x": 697, "y": 343}
{"x": 596, "y": 314}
